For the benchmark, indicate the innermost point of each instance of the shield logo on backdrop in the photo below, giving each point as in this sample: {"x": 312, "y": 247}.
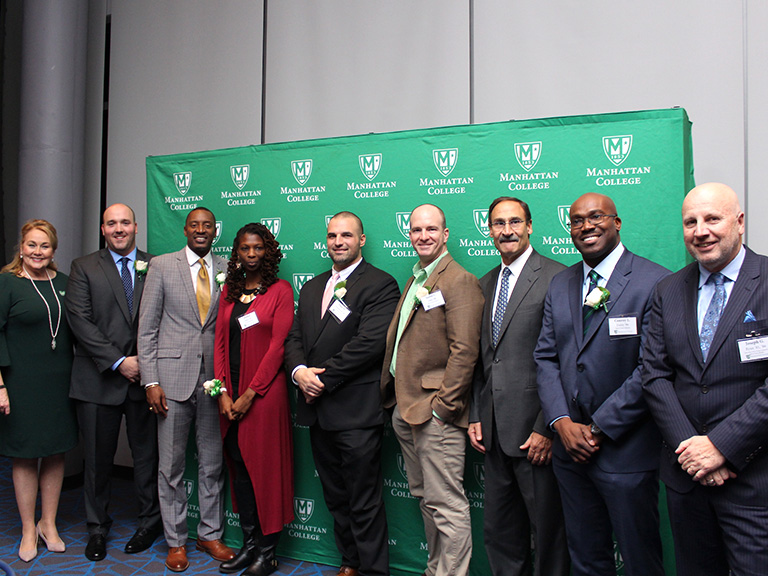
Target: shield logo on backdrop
{"x": 182, "y": 181}
{"x": 401, "y": 465}
{"x": 563, "y": 214}
{"x": 302, "y": 170}
{"x": 528, "y": 154}
{"x": 299, "y": 280}
{"x": 328, "y": 218}
{"x": 189, "y": 487}
{"x": 480, "y": 474}
{"x": 219, "y": 228}
{"x": 617, "y": 148}
{"x": 240, "y": 175}
{"x": 403, "y": 220}
{"x": 370, "y": 164}
{"x": 303, "y": 507}
{"x": 273, "y": 225}
{"x": 445, "y": 160}
{"x": 480, "y": 216}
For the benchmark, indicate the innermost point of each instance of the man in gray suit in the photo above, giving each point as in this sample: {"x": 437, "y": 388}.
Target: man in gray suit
{"x": 176, "y": 329}
{"x": 103, "y": 296}
{"x": 506, "y": 423}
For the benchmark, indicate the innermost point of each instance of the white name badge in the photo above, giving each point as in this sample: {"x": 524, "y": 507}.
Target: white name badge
{"x": 339, "y": 310}
{"x": 753, "y": 349}
{"x": 433, "y": 300}
{"x": 248, "y": 320}
{"x": 622, "y": 326}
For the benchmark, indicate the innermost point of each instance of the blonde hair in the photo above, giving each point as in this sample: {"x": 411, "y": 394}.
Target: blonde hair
{"x": 15, "y": 265}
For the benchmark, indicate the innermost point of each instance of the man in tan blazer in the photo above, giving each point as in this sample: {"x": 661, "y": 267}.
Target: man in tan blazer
{"x": 432, "y": 347}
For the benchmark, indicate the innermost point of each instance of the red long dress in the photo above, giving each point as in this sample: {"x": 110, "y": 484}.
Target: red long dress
{"x": 264, "y": 434}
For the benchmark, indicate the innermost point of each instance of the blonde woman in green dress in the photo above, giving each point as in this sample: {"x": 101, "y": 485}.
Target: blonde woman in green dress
{"x": 37, "y": 420}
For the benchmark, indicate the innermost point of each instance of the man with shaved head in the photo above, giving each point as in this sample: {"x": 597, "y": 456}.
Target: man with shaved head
{"x": 705, "y": 369}
{"x": 606, "y": 446}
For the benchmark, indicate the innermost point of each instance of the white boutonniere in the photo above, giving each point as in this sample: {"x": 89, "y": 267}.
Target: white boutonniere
{"x": 214, "y": 387}
{"x": 421, "y": 293}
{"x": 221, "y": 278}
{"x": 141, "y": 267}
{"x": 597, "y": 299}
{"x": 340, "y": 290}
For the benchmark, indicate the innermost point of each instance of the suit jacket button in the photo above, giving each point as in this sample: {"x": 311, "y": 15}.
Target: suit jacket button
{"x": 705, "y": 429}
{"x": 580, "y": 367}
{"x": 704, "y": 389}
{"x": 495, "y": 360}
{"x": 199, "y": 355}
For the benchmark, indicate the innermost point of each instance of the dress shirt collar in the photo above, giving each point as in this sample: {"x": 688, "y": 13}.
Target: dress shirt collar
{"x": 116, "y": 257}
{"x": 731, "y": 270}
{"x": 516, "y": 267}
{"x": 606, "y": 267}
{"x": 344, "y": 274}
{"x": 417, "y": 269}
{"x": 192, "y": 258}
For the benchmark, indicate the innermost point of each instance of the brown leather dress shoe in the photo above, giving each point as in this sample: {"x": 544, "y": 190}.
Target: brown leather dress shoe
{"x": 216, "y": 549}
{"x": 347, "y": 571}
{"x": 176, "y": 561}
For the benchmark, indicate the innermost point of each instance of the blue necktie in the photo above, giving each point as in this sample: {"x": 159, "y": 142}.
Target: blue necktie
{"x": 125, "y": 274}
{"x": 714, "y": 311}
{"x": 501, "y": 306}
{"x": 587, "y": 311}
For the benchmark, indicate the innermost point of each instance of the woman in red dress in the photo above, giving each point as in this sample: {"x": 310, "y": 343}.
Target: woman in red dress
{"x": 255, "y": 315}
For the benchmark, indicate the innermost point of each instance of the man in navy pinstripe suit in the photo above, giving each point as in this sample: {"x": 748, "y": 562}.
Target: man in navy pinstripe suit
{"x": 704, "y": 375}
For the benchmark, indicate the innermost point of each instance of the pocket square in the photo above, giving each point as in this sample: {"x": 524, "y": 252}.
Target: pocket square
{"x": 749, "y": 317}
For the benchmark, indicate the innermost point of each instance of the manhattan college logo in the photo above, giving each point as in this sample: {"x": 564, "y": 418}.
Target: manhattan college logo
{"x": 617, "y": 148}
{"x": 445, "y": 160}
{"x": 182, "y": 181}
{"x": 401, "y": 465}
{"x": 480, "y": 474}
{"x": 328, "y": 218}
{"x": 302, "y": 170}
{"x": 370, "y": 164}
{"x": 299, "y": 280}
{"x": 219, "y": 227}
{"x": 189, "y": 487}
{"x": 273, "y": 225}
{"x": 563, "y": 214}
{"x": 303, "y": 507}
{"x": 528, "y": 154}
{"x": 240, "y": 175}
{"x": 403, "y": 220}
{"x": 480, "y": 217}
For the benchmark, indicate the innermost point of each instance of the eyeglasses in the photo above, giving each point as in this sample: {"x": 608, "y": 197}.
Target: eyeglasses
{"x": 593, "y": 219}
{"x": 501, "y": 224}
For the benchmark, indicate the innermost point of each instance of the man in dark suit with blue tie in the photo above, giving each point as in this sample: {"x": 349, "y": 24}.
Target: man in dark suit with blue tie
{"x": 103, "y": 297}
{"x": 334, "y": 353}
{"x": 606, "y": 448}
{"x": 505, "y": 419}
{"x": 705, "y": 369}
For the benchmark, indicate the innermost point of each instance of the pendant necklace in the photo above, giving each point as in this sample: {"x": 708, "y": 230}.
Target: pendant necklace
{"x": 248, "y": 298}
{"x": 54, "y": 333}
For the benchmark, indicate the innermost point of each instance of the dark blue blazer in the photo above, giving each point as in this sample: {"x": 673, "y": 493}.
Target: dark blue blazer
{"x": 596, "y": 377}
{"x": 723, "y": 398}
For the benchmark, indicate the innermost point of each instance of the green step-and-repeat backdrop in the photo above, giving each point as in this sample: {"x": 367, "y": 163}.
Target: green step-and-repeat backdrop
{"x": 643, "y": 160}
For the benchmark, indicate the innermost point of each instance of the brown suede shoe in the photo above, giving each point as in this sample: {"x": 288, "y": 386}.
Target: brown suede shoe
{"x": 177, "y": 559}
{"x": 216, "y": 549}
{"x": 347, "y": 571}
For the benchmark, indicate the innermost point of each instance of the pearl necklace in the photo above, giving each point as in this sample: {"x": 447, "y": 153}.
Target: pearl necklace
{"x": 54, "y": 333}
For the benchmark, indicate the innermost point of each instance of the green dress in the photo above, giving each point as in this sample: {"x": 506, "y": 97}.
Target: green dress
{"x": 42, "y": 420}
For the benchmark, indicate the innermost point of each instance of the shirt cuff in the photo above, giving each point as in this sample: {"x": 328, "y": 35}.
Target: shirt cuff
{"x": 552, "y": 424}
{"x": 116, "y": 364}
{"x": 293, "y": 373}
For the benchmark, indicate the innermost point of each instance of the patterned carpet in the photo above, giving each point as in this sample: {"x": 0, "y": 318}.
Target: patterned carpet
{"x": 71, "y": 526}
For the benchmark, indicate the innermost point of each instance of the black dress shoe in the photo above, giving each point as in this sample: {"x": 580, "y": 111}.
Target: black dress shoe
{"x": 143, "y": 539}
{"x": 97, "y": 548}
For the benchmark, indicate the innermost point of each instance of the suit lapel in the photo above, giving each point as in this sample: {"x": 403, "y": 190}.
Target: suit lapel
{"x": 746, "y": 283}
{"x": 315, "y": 303}
{"x": 216, "y": 267}
{"x": 115, "y": 282}
{"x": 690, "y": 316}
{"x": 432, "y": 281}
{"x": 616, "y": 285}
{"x": 182, "y": 265}
{"x": 489, "y": 291}
{"x": 138, "y": 283}
{"x": 576, "y": 300}
{"x": 528, "y": 277}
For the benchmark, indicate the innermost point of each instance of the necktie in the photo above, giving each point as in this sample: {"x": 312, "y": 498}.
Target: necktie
{"x": 501, "y": 306}
{"x": 714, "y": 311}
{"x": 203, "y": 291}
{"x": 328, "y": 294}
{"x": 125, "y": 274}
{"x": 587, "y": 311}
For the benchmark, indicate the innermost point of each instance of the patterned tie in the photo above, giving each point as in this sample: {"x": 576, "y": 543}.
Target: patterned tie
{"x": 203, "y": 291}
{"x": 587, "y": 311}
{"x": 328, "y": 294}
{"x": 501, "y": 306}
{"x": 714, "y": 311}
{"x": 125, "y": 274}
